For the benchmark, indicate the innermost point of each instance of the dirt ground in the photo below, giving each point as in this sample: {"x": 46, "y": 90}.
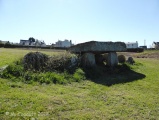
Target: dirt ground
{"x": 149, "y": 55}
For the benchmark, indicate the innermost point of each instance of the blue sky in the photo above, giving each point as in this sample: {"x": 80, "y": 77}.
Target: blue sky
{"x": 80, "y": 20}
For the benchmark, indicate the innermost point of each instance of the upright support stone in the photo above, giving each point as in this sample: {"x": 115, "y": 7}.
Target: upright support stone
{"x": 88, "y": 60}
{"x": 112, "y": 59}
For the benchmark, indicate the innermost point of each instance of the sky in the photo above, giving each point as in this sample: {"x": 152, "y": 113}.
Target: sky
{"x": 80, "y": 20}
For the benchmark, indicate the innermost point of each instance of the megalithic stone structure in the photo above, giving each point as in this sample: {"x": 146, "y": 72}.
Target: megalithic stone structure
{"x": 87, "y": 50}
{"x": 112, "y": 59}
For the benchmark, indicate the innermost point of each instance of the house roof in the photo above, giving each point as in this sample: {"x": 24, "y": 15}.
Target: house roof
{"x": 131, "y": 43}
{"x": 156, "y": 43}
{"x": 24, "y": 40}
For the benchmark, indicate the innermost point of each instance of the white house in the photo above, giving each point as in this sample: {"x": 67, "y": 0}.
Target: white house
{"x": 36, "y": 43}
{"x": 26, "y": 43}
{"x": 40, "y": 43}
{"x": 65, "y": 43}
{"x": 132, "y": 44}
{"x": 155, "y": 45}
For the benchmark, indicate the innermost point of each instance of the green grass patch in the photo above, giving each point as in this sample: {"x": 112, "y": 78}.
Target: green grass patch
{"x": 16, "y": 72}
{"x": 88, "y": 99}
{"x": 39, "y": 67}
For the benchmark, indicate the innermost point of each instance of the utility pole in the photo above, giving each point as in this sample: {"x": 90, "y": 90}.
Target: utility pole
{"x": 144, "y": 42}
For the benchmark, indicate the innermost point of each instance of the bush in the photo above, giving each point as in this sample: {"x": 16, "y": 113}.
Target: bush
{"x": 38, "y": 67}
{"x": 35, "y": 61}
{"x": 63, "y": 62}
{"x": 79, "y": 75}
{"x": 121, "y": 59}
{"x": 15, "y": 69}
{"x": 1, "y": 45}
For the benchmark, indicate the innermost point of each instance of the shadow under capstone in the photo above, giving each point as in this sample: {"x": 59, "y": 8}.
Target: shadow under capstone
{"x": 106, "y": 76}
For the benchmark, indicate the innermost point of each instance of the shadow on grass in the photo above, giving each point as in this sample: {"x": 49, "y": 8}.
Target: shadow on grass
{"x": 106, "y": 76}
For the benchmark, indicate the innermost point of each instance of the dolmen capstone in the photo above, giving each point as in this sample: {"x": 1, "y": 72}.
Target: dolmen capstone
{"x": 89, "y": 51}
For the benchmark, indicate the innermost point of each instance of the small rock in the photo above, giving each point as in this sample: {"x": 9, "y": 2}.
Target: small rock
{"x": 130, "y": 60}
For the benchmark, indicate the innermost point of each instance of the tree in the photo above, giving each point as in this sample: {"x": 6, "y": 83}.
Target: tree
{"x": 31, "y": 39}
{"x": 37, "y": 42}
{"x": 7, "y": 44}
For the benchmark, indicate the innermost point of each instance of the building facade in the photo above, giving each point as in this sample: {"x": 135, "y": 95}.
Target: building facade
{"x": 132, "y": 44}
{"x": 155, "y": 45}
{"x": 40, "y": 43}
{"x": 65, "y": 43}
{"x": 26, "y": 43}
{"x": 37, "y": 43}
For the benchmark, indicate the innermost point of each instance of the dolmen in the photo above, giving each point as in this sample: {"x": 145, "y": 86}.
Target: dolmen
{"x": 91, "y": 52}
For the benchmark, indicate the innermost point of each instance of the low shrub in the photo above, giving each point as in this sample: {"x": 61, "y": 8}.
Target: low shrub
{"x": 35, "y": 61}
{"x": 79, "y": 75}
{"x": 62, "y": 62}
{"x": 18, "y": 71}
{"x": 15, "y": 69}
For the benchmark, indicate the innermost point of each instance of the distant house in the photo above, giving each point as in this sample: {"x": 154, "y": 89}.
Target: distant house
{"x": 26, "y": 43}
{"x": 132, "y": 44}
{"x": 51, "y": 46}
{"x": 155, "y": 45}
{"x": 65, "y": 43}
{"x": 37, "y": 43}
{"x": 40, "y": 43}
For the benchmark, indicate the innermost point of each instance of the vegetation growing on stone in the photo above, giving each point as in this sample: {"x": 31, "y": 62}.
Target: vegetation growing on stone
{"x": 35, "y": 61}
{"x": 61, "y": 69}
{"x": 36, "y": 66}
{"x": 62, "y": 62}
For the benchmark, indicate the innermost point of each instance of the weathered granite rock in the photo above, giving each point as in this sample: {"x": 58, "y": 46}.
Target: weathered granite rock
{"x": 98, "y": 47}
{"x": 112, "y": 59}
{"x": 121, "y": 59}
{"x": 88, "y": 60}
{"x": 130, "y": 60}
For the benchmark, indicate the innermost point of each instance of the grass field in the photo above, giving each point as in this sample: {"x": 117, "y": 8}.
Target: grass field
{"x": 9, "y": 55}
{"x": 135, "y": 98}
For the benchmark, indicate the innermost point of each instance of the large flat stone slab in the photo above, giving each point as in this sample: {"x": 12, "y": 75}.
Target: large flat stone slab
{"x": 98, "y": 47}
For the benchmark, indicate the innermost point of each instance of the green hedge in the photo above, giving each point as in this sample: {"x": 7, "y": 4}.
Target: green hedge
{"x": 135, "y": 50}
{"x": 21, "y": 46}
{"x": 1, "y": 45}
